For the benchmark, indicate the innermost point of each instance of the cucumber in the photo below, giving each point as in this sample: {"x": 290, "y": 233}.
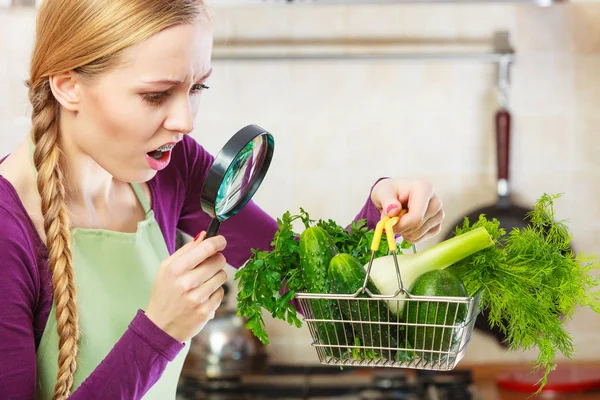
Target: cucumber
{"x": 435, "y": 283}
{"x": 316, "y": 251}
{"x": 347, "y": 275}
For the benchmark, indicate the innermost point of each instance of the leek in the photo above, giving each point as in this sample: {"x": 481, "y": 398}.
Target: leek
{"x": 411, "y": 266}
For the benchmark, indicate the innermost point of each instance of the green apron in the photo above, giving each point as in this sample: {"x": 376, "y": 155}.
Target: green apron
{"x": 114, "y": 274}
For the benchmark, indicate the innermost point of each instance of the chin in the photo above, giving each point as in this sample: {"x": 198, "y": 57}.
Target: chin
{"x": 145, "y": 177}
{"x": 136, "y": 176}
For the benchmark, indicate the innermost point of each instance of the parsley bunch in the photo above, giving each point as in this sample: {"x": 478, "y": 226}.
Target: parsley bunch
{"x": 260, "y": 280}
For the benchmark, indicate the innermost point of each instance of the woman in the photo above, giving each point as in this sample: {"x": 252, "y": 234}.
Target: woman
{"x": 94, "y": 301}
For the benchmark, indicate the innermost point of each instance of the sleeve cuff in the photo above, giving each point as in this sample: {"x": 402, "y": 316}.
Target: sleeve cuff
{"x": 158, "y": 339}
{"x": 373, "y": 215}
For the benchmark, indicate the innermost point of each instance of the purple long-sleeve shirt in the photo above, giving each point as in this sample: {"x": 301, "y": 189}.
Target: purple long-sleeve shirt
{"x": 140, "y": 356}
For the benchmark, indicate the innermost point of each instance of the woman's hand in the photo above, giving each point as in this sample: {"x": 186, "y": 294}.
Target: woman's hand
{"x": 425, "y": 213}
{"x": 188, "y": 288}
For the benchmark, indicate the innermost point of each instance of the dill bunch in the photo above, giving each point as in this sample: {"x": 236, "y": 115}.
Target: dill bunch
{"x": 530, "y": 282}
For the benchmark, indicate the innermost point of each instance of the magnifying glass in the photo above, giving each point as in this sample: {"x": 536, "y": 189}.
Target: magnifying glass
{"x": 236, "y": 174}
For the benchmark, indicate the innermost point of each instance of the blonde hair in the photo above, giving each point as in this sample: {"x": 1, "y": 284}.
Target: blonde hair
{"x": 86, "y": 37}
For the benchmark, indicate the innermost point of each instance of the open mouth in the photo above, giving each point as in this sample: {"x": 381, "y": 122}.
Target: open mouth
{"x": 159, "y": 153}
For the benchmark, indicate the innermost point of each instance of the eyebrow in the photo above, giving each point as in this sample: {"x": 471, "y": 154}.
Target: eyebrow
{"x": 175, "y": 81}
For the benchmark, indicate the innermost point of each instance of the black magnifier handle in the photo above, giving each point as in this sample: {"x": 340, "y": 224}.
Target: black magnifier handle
{"x": 213, "y": 228}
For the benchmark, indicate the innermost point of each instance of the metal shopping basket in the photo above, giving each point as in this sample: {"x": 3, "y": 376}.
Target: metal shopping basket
{"x": 359, "y": 329}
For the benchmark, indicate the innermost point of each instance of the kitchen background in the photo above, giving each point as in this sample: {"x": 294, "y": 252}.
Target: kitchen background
{"x": 339, "y": 125}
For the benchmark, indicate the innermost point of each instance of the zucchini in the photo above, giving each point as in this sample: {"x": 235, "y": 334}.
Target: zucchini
{"x": 316, "y": 251}
{"x": 434, "y": 339}
{"x": 347, "y": 276}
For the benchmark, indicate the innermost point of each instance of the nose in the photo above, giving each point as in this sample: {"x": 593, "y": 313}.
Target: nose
{"x": 181, "y": 117}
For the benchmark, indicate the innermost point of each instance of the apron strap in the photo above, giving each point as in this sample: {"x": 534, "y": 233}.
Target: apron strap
{"x": 31, "y": 151}
{"x": 141, "y": 196}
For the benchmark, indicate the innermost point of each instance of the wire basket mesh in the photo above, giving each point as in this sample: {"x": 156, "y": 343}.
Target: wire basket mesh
{"x": 360, "y": 329}
{"x": 377, "y": 338}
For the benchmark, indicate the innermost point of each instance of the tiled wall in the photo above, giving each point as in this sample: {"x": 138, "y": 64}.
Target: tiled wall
{"x": 336, "y": 122}
{"x": 340, "y": 125}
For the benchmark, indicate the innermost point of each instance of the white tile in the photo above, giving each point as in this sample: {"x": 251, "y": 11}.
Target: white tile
{"x": 584, "y": 26}
{"x": 542, "y": 144}
{"x": 532, "y": 32}
{"x": 479, "y": 21}
{"x": 542, "y": 84}
{"x": 586, "y": 84}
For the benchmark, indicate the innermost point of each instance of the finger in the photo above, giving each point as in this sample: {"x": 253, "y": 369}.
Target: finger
{"x": 200, "y": 252}
{"x": 427, "y": 226}
{"x": 190, "y": 245}
{"x": 433, "y": 211}
{"x": 198, "y": 276}
{"x": 418, "y": 201}
{"x": 200, "y": 237}
{"x": 213, "y": 302}
{"x": 390, "y": 204}
{"x": 435, "y": 205}
{"x": 186, "y": 248}
{"x": 433, "y": 232}
{"x": 202, "y": 293}
{"x": 431, "y": 224}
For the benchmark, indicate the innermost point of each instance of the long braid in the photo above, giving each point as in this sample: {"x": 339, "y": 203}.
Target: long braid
{"x": 86, "y": 37}
{"x": 50, "y": 184}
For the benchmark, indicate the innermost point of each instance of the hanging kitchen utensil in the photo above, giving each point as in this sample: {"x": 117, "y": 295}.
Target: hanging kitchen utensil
{"x": 509, "y": 214}
{"x": 236, "y": 174}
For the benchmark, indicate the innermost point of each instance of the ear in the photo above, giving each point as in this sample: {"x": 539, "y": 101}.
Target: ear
{"x": 65, "y": 88}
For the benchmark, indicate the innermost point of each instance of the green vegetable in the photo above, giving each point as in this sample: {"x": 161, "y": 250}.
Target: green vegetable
{"x": 316, "y": 251}
{"x": 355, "y": 241}
{"x": 436, "y": 339}
{"x": 528, "y": 279}
{"x": 261, "y": 278}
{"x": 411, "y": 266}
{"x": 347, "y": 276}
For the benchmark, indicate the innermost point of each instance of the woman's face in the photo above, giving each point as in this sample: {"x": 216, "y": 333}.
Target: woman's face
{"x": 149, "y": 100}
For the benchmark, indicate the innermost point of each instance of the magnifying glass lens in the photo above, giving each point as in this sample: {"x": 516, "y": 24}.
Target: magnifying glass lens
{"x": 236, "y": 174}
{"x": 240, "y": 176}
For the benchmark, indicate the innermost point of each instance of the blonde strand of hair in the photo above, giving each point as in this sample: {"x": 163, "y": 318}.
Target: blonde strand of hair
{"x": 50, "y": 183}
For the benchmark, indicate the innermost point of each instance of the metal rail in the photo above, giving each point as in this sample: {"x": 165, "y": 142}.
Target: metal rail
{"x": 359, "y": 49}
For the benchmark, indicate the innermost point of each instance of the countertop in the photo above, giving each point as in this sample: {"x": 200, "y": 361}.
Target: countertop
{"x": 484, "y": 377}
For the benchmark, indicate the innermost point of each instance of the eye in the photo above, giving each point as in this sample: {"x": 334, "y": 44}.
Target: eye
{"x": 197, "y": 88}
{"x": 157, "y": 98}
{"x": 154, "y": 98}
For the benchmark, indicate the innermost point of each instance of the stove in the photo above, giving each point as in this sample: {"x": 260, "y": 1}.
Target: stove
{"x": 316, "y": 382}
